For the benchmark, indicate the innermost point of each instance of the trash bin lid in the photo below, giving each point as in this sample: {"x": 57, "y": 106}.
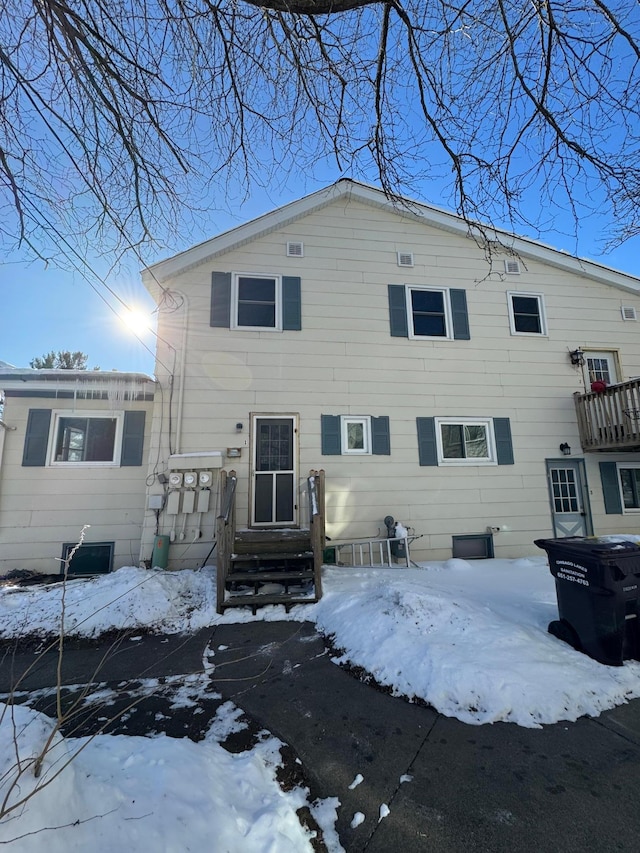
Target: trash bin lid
{"x": 598, "y": 546}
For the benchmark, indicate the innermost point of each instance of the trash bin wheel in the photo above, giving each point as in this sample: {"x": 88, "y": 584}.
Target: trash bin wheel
{"x": 563, "y": 631}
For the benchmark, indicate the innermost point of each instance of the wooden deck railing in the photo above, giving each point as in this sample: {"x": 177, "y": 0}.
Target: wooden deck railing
{"x": 315, "y": 484}
{"x": 225, "y": 529}
{"x": 610, "y": 419}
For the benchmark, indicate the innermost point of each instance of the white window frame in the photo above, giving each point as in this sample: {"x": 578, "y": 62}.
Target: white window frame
{"x": 487, "y": 423}
{"x": 448, "y": 320}
{"x": 365, "y": 420}
{"x": 632, "y": 510}
{"x": 235, "y": 289}
{"x": 541, "y": 313}
{"x": 58, "y": 414}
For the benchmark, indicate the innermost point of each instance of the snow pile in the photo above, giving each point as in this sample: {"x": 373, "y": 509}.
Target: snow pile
{"x": 135, "y": 793}
{"x": 130, "y": 598}
{"x": 469, "y": 639}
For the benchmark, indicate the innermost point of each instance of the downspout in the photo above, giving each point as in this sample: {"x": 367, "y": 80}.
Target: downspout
{"x": 4, "y": 428}
{"x": 183, "y": 369}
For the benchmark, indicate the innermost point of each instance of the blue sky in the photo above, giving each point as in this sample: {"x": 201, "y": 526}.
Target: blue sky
{"x": 46, "y": 308}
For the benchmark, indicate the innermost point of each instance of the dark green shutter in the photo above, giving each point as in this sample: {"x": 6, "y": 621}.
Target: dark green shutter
{"x": 504, "y": 444}
{"x": 36, "y": 438}
{"x": 220, "y": 299}
{"x": 460, "y": 315}
{"x": 132, "y": 438}
{"x": 331, "y": 437}
{"x": 427, "y": 448}
{"x": 610, "y": 488}
{"x": 291, "y": 303}
{"x": 398, "y": 311}
{"x": 380, "y": 437}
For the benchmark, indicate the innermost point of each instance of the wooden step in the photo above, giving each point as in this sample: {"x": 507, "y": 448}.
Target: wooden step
{"x": 271, "y": 556}
{"x": 281, "y": 541}
{"x": 268, "y": 576}
{"x": 255, "y": 601}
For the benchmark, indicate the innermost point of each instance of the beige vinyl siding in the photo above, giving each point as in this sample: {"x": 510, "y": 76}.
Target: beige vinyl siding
{"x": 43, "y": 507}
{"x": 344, "y": 361}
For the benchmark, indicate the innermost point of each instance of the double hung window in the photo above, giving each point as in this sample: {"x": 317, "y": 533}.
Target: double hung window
{"x": 256, "y": 302}
{"x": 429, "y": 313}
{"x": 526, "y": 313}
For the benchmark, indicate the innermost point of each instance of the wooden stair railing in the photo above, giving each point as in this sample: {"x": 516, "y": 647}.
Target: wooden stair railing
{"x": 225, "y": 531}
{"x": 251, "y": 562}
{"x": 315, "y": 485}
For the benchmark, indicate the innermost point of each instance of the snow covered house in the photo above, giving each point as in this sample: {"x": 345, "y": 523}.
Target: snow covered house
{"x": 374, "y": 342}
{"x": 73, "y": 452}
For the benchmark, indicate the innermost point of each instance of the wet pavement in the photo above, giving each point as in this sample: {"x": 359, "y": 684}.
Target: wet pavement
{"x": 447, "y": 786}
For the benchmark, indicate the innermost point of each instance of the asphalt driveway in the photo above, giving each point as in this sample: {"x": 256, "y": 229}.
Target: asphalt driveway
{"x": 429, "y": 783}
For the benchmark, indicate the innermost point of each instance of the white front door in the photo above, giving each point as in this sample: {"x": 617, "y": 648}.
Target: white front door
{"x": 274, "y": 476}
{"x": 569, "y": 500}
{"x": 600, "y": 367}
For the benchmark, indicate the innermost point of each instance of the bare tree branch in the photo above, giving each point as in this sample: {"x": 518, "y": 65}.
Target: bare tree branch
{"x": 120, "y": 118}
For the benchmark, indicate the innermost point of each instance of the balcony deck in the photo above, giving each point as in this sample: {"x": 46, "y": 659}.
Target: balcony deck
{"x": 609, "y": 420}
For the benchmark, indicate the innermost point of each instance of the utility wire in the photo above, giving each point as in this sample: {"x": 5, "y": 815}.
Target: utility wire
{"x": 39, "y": 217}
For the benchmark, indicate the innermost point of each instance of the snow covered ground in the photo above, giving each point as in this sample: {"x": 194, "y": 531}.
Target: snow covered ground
{"x": 468, "y": 638}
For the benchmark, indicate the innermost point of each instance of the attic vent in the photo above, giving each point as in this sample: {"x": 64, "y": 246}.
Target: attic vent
{"x": 512, "y": 266}
{"x": 295, "y": 250}
{"x": 628, "y": 312}
{"x": 405, "y": 259}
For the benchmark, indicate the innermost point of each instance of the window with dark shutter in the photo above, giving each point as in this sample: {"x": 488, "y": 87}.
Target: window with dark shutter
{"x": 428, "y": 312}
{"x": 256, "y": 301}
{"x": 361, "y": 435}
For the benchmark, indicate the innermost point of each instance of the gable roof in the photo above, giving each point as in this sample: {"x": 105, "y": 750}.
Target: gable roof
{"x": 346, "y": 189}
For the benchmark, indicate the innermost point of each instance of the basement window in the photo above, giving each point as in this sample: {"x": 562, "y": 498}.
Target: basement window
{"x": 91, "y": 558}
{"x": 474, "y": 546}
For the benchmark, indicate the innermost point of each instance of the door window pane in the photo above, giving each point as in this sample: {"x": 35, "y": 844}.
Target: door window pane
{"x": 284, "y": 497}
{"x": 275, "y": 446}
{"x": 564, "y": 489}
{"x": 599, "y": 370}
{"x": 263, "y": 498}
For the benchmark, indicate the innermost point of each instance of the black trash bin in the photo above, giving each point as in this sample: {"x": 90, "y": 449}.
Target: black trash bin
{"x": 598, "y": 592}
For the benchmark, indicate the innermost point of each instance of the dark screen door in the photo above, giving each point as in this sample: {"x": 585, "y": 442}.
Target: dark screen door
{"x": 274, "y": 474}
